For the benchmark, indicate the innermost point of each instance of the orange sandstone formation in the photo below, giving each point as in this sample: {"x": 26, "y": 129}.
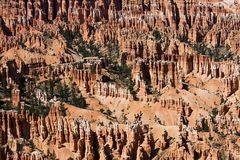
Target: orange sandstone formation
{"x": 160, "y": 79}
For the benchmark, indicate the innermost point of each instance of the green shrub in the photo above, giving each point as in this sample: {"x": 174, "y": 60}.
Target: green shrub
{"x": 217, "y": 53}
{"x": 69, "y": 36}
{"x": 75, "y": 41}
{"x": 108, "y": 112}
{"x": 7, "y": 106}
{"x": 101, "y": 110}
{"x": 157, "y": 35}
{"x": 214, "y": 112}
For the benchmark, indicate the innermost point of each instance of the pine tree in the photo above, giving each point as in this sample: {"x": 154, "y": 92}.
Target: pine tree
{"x": 65, "y": 93}
{"x": 73, "y": 95}
{"x": 50, "y": 88}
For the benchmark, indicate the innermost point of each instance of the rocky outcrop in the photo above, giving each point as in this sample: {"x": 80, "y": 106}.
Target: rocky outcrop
{"x": 171, "y": 70}
{"x": 174, "y": 18}
{"x": 15, "y": 97}
{"x": 156, "y": 39}
{"x": 106, "y": 141}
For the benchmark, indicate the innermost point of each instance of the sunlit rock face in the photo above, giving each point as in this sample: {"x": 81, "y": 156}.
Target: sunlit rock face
{"x": 134, "y": 140}
{"x": 119, "y": 79}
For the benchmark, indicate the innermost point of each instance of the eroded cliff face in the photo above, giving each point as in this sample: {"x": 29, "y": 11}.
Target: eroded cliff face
{"x": 211, "y": 22}
{"x": 161, "y": 79}
{"x": 134, "y": 140}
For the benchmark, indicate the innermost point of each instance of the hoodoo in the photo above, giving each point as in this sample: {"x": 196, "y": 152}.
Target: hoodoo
{"x": 119, "y": 79}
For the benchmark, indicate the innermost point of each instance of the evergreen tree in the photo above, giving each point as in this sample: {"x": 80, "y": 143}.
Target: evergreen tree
{"x": 73, "y": 94}
{"x": 50, "y": 88}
